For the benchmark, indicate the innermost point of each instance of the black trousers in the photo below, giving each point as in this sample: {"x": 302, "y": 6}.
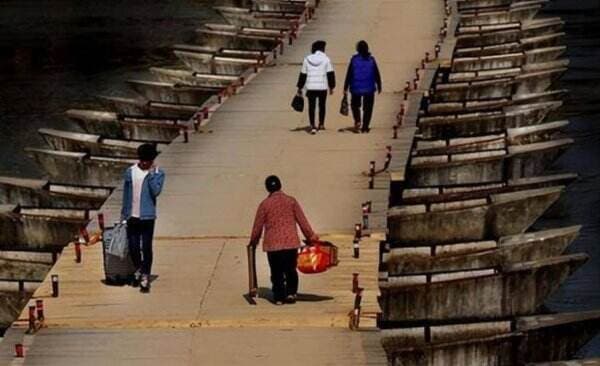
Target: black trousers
{"x": 313, "y": 96}
{"x": 139, "y": 236}
{"x": 283, "y": 272}
{"x": 366, "y": 101}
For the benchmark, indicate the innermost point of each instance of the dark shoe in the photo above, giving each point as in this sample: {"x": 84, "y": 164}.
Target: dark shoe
{"x": 290, "y": 299}
{"x": 365, "y": 130}
{"x": 313, "y": 131}
{"x": 322, "y": 127}
{"x": 145, "y": 284}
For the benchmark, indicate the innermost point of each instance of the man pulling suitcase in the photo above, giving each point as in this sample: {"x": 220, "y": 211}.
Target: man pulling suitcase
{"x": 142, "y": 184}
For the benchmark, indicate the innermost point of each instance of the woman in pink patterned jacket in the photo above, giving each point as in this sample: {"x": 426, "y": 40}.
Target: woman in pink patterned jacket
{"x": 278, "y": 215}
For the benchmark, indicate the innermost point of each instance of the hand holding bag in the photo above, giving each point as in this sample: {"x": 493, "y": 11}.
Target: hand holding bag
{"x": 344, "y": 107}
{"x": 317, "y": 257}
{"x": 298, "y": 102}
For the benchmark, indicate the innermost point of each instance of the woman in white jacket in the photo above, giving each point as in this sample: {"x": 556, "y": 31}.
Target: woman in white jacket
{"x": 317, "y": 76}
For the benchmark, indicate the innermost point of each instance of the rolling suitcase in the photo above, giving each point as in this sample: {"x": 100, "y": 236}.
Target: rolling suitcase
{"x": 117, "y": 271}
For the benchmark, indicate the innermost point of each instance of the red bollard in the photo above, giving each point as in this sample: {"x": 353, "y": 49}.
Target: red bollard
{"x": 39, "y": 305}
{"x": 31, "y": 318}
{"x": 205, "y": 112}
{"x": 437, "y": 50}
{"x": 356, "y": 248}
{"x": 354, "y": 282}
{"x": 77, "y": 252}
{"x": 357, "y": 231}
{"x": 19, "y": 351}
{"x": 426, "y": 56}
{"x": 395, "y": 127}
{"x": 417, "y": 76}
{"x": 101, "y": 221}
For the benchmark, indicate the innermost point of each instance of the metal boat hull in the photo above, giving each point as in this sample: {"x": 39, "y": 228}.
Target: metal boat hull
{"x": 80, "y": 168}
{"x": 519, "y": 290}
{"x": 471, "y": 220}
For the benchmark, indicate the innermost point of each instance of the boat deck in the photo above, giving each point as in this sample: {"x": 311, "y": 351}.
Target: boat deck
{"x": 196, "y": 312}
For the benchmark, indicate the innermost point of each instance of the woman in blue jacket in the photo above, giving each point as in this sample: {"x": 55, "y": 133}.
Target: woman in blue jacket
{"x": 362, "y": 79}
{"x": 142, "y": 184}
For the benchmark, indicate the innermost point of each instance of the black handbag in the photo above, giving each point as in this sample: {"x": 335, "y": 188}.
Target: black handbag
{"x": 298, "y": 103}
{"x": 344, "y": 107}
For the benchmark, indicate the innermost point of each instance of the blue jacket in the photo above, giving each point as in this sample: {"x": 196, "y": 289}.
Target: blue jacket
{"x": 363, "y": 75}
{"x": 151, "y": 188}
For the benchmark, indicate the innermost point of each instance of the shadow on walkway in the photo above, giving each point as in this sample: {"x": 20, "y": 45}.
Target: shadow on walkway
{"x": 267, "y": 294}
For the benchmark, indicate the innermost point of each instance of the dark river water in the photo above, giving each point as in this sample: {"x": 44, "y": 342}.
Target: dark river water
{"x": 580, "y": 205}
{"x": 59, "y": 54}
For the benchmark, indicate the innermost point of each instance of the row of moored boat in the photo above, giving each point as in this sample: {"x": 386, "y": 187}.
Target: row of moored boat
{"x": 463, "y": 277}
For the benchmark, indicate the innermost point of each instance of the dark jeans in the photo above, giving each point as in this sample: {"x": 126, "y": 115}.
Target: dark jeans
{"x": 312, "y": 96}
{"x": 367, "y": 101}
{"x": 139, "y": 236}
{"x": 283, "y": 272}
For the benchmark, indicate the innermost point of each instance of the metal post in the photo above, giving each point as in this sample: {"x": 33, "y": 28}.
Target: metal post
{"x": 395, "y": 127}
{"x": 77, "y": 252}
{"x": 372, "y": 175}
{"x": 356, "y": 311}
{"x": 365, "y": 217}
{"x": 39, "y": 305}
{"x": 101, "y": 221}
{"x": 186, "y": 138}
{"x": 54, "y": 278}
{"x": 31, "y": 327}
{"x": 356, "y": 248}
{"x": 354, "y": 282}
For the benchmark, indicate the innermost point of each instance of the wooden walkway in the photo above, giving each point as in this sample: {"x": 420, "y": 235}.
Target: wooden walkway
{"x": 196, "y": 313}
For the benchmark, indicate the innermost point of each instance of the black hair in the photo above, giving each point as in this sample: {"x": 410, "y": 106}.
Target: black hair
{"x": 362, "y": 48}
{"x": 272, "y": 183}
{"x": 318, "y": 46}
{"x": 147, "y": 152}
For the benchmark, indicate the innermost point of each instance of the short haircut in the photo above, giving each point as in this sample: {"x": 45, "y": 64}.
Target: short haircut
{"x": 147, "y": 152}
{"x": 362, "y": 48}
{"x": 272, "y": 183}
{"x": 318, "y": 46}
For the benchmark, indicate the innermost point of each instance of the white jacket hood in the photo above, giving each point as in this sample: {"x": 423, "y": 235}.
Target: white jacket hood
{"x": 317, "y": 58}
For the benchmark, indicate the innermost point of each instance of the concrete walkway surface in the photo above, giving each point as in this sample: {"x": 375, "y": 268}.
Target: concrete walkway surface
{"x": 196, "y": 314}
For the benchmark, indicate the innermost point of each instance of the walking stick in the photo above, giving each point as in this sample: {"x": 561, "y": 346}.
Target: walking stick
{"x": 252, "y": 281}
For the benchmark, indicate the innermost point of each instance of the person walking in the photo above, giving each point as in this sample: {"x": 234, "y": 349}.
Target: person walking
{"x": 362, "y": 79}
{"x": 142, "y": 184}
{"x": 278, "y": 215}
{"x": 317, "y": 76}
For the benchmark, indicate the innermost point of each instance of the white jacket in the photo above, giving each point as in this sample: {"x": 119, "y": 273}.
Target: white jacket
{"x": 316, "y": 66}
